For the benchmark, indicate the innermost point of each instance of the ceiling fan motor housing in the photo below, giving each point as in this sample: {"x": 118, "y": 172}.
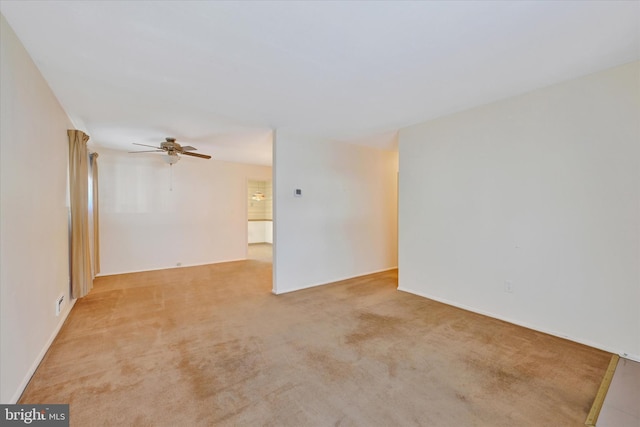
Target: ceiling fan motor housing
{"x": 171, "y": 146}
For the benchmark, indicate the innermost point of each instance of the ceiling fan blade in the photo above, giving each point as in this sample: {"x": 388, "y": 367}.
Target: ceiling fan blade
{"x": 145, "y": 145}
{"x": 202, "y": 156}
{"x": 188, "y": 148}
{"x": 147, "y": 151}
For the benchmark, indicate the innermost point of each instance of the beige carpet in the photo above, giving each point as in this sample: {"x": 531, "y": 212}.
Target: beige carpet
{"x": 260, "y": 252}
{"x": 211, "y": 346}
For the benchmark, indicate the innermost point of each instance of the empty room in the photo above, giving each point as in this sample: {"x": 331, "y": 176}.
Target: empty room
{"x": 301, "y": 213}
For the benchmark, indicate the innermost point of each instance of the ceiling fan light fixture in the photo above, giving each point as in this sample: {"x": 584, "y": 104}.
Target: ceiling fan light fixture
{"x": 171, "y": 158}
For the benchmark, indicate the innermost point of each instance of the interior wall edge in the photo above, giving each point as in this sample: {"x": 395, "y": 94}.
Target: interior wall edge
{"x": 23, "y": 384}
{"x": 621, "y": 353}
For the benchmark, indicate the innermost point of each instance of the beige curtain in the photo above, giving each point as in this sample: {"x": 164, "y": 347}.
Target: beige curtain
{"x": 95, "y": 246}
{"x": 80, "y": 250}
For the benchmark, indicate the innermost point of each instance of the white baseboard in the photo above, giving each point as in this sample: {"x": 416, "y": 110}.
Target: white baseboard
{"x": 45, "y": 348}
{"x": 524, "y": 324}
{"x": 171, "y": 267}
{"x": 275, "y": 292}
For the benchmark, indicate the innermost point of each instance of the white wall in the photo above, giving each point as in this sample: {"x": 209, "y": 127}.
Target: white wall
{"x": 34, "y": 261}
{"x": 542, "y": 190}
{"x": 268, "y": 232}
{"x": 345, "y": 223}
{"x": 256, "y": 232}
{"x": 145, "y": 226}
{"x": 260, "y": 232}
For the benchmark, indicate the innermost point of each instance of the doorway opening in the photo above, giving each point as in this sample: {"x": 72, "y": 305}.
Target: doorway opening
{"x": 260, "y": 220}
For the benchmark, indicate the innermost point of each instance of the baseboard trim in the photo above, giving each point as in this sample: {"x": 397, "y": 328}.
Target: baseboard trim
{"x": 523, "y": 324}
{"x": 173, "y": 267}
{"x": 275, "y": 292}
{"x": 602, "y": 392}
{"x": 43, "y": 351}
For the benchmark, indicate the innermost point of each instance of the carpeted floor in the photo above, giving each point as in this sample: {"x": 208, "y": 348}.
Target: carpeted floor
{"x": 211, "y": 346}
{"x": 260, "y": 252}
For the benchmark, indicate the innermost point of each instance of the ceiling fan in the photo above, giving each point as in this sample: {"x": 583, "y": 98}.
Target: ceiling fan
{"x": 172, "y": 148}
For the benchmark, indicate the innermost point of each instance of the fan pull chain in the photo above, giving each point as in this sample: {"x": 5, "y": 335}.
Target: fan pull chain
{"x": 170, "y": 177}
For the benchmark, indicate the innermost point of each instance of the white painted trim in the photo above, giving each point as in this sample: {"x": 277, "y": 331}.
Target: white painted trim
{"x": 170, "y": 268}
{"x": 523, "y": 324}
{"x": 45, "y": 348}
{"x": 333, "y": 281}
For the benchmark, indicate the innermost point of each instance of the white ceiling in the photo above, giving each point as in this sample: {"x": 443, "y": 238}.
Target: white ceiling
{"x": 221, "y": 75}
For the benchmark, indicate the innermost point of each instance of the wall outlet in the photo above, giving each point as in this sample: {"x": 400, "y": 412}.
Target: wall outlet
{"x": 59, "y": 304}
{"x": 508, "y": 286}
